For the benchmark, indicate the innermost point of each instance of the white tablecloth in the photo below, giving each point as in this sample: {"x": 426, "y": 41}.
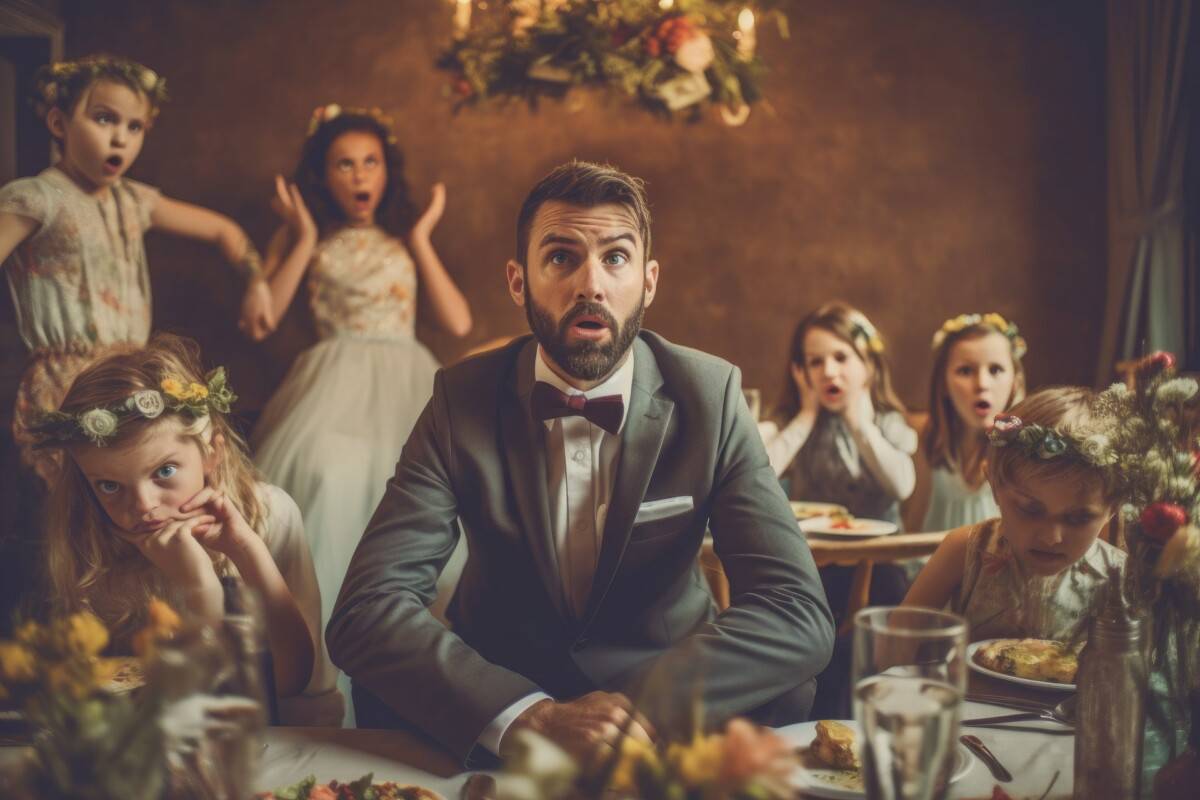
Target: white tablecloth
{"x": 1032, "y": 758}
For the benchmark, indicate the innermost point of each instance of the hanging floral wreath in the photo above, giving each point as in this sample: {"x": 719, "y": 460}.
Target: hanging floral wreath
{"x": 667, "y": 55}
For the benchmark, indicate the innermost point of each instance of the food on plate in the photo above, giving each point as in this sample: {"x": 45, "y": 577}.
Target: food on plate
{"x": 842, "y": 521}
{"x": 804, "y": 510}
{"x": 1032, "y": 659}
{"x": 361, "y": 789}
{"x": 834, "y": 745}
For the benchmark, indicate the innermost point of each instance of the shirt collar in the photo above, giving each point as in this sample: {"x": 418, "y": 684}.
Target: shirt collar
{"x": 619, "y": 382}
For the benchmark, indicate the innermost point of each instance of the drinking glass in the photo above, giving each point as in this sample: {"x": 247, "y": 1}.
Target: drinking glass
{"x": 910, "y": 674}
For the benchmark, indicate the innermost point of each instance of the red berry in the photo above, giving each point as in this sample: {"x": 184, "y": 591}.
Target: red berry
{"x": 1161, "y": 520}
{"x": 1156, "y": 362}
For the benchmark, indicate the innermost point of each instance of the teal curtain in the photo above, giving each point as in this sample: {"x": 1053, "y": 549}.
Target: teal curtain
{"x": 1152, "y": 282}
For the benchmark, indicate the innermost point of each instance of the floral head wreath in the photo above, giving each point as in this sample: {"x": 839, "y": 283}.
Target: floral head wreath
{"x": 328, "y": 113}
{"x": 1046, "y": 443}
{"x": 175, "y": 395}
{"x": 992, "y": 320}
{"x": 52, "y": 81}
{"x": 862, "y": 329}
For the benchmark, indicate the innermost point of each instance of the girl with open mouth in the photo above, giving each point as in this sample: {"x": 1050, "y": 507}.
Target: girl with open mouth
{"x": 332, "y": 433}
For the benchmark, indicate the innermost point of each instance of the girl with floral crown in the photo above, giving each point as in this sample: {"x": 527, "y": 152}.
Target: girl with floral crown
{"x": 332, "y": 433}
{"x": 977, "y": 374}
{"x": 157, "y": 497}
{"x": 1036, "y": 569}
{"x": 71, "y": 236}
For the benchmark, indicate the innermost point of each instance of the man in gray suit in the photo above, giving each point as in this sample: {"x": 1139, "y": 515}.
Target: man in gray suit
{"x": 585, "y": 463}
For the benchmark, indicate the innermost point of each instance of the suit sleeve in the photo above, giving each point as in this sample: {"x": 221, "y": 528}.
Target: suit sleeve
{"x": 381, "y": 632}
{"x": 777, "y": 632}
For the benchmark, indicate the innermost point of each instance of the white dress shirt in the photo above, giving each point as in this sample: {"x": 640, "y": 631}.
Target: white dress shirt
{"x": 581, "y": 466}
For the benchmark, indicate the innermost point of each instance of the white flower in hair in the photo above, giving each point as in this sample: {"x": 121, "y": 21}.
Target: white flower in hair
{"x": 149, "y": 79}
{"x": 98, "y": 424}
{"x": 148, "y": 402}
{"x": 331, "y": 112}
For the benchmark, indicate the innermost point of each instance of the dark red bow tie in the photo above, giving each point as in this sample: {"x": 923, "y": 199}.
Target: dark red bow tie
{"x": 604, "y": 412}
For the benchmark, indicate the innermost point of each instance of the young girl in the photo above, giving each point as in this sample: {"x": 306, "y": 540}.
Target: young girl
{"x": 977, "y": 373}
{"x": 1034, "y": 571}
{"x": 332, "y": 433}
{"x": 77, "y": 270}
{"x": 838, "y": 433}
{"x": 157, "y": 497}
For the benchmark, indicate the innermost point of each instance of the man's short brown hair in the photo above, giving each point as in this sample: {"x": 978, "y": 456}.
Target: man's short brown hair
{"x": 582, "y": 183}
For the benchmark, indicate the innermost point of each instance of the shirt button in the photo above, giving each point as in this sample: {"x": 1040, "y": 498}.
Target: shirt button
{"x": 579, "y": 456}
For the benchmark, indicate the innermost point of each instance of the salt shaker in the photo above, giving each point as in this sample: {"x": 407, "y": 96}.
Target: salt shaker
{"x": 1111, "y": 716}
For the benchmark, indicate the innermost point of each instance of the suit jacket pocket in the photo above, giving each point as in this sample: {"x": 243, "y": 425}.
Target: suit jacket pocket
{"x": 667, "y": 507}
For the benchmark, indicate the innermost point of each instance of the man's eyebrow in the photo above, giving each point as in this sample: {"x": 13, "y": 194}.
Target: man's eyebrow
{"x": 610, "y": 239}
{"x": 554, "y": 238}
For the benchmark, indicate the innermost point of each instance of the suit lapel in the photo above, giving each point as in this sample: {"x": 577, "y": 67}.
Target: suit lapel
{"x": 641, "y": 441}
{"x": 525, "y": 459}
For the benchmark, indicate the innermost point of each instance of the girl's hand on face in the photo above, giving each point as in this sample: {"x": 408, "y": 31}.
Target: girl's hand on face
{"x": 227, "y": 531}
{"x": 289, "y": 204}
{"x": 433, "y": 214}
{"x": 859, "y": 411}
{"x": 810, "y": 403}
{"x": 176, "y": 552}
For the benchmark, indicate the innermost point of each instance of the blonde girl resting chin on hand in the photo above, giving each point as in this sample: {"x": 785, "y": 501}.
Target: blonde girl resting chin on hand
{"x": 157, "y": 497}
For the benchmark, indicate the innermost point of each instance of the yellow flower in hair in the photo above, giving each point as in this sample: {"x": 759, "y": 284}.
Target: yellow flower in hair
{"x": 996, "y": 321}
{"x": 86, "y": 634}
{"x": 17, "y": 663}
{"x": 28, "y": 632}
{"x": 197, "y": 391}
{"x": 174, "y": 388}
{"x": 875, "y": 344}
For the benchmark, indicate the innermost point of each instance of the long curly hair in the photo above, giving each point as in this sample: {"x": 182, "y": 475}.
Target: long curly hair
{"x": 88, "y": 566}
{"x": 396, "y": 213}
{"x": 845, "y": 322}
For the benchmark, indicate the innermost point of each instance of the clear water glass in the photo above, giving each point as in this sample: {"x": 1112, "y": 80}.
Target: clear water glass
{"x": 910, "y": 675}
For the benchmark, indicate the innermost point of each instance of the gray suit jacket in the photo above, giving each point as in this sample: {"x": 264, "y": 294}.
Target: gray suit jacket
{"x": 478, "y": 455}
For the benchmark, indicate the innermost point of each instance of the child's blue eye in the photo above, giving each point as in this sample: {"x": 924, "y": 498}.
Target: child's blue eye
{"x": 165, "y": 471}
{"x": 135, "y": 127}
{"x": 108, "y": 487}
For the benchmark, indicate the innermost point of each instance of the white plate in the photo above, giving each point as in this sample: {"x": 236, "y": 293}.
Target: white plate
{"x": 819, "y": 782}
{"x": 862, "y": 528}
{"x": 974, "y": 646}
{"x": 806, "y": 510}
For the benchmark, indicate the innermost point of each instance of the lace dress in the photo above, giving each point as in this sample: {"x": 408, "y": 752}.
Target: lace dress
{"x": 80, "y": 286}
{"x": 331, "y": 435}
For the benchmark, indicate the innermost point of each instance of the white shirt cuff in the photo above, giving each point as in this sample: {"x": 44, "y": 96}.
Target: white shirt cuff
{"x": 494, "y": 732}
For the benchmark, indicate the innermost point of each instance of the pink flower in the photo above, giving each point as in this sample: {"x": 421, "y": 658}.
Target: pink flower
{"x": 322, "y": 792}
{"x": 1160, "y": 520}
{"x": 1156, "y": 362}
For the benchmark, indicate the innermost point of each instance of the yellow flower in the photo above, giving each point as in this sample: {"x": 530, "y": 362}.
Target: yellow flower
{"x": 86, "y": 634}
{"x": 996, "y": 321}
{"x": 62, "y": 679}
{"x": 162, "y": 616}
{"x": 17, "y": 663}
{"x": 173, "y": 387}
{"x": 28, "y": 632}
{"x": 197, "y": 391}
{"x": 875, "y": 344}
{"x": 633, "y": 753}
{"x": 698, "y": 763}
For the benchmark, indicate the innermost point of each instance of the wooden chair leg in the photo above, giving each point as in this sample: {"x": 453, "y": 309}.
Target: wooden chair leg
{"x": 860, "y": 594}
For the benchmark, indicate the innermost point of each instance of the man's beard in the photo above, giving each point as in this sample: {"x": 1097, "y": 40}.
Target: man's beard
{"x": 585, "y": 360}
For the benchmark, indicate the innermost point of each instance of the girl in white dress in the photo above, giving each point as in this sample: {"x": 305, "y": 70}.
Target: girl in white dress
{"x": 332, "y": 433}
{"x": 977, "y": 374}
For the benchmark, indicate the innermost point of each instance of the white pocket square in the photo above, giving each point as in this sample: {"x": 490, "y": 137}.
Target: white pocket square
{"x": 653, "y": 510}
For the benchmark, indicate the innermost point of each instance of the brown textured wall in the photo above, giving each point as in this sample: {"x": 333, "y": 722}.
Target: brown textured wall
{"x": 923, "y": 158}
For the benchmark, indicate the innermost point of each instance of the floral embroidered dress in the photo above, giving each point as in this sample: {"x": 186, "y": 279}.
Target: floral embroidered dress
{"x": 1001, "y": 600}
{"x": 80, "y": 285}
{"x": 331, "y": 435}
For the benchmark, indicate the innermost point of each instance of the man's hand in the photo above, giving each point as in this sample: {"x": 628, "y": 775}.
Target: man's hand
{"x": 586, "y": 727}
